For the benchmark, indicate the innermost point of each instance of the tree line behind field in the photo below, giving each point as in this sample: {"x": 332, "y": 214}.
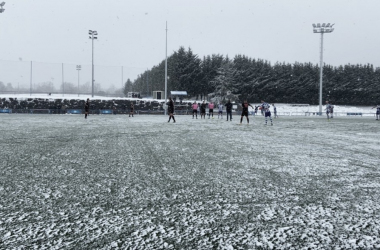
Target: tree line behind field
{"x": 242, "y": 78}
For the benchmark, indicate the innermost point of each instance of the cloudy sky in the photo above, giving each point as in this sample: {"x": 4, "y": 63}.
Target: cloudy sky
{"x": 132, "y": 34}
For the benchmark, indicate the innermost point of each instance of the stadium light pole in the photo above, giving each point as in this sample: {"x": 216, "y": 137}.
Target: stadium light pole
{"x": 93, "y": 35}
{"x": 166, "y": 67}
{"x": 78, "y": 68}
{"x": 324, "y": 28}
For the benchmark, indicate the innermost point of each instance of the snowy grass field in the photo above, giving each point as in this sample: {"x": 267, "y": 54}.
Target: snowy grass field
{"x": 114, "y": 182}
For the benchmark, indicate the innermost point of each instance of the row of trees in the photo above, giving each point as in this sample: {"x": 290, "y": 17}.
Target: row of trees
{"x": 67, "y": 88}
{"x": 255, "y": 79}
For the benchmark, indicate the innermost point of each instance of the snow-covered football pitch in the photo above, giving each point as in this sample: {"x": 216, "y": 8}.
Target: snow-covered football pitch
{"x": 117, "y": 182}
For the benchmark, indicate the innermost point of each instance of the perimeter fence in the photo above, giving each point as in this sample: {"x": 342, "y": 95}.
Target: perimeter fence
{"x": 161, "y": 112}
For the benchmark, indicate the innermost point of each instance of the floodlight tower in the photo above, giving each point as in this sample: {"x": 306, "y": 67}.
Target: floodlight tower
{"x": 93, "y": 35}
{"x": 324, "y": 28}
{"x": 1, "y": 7}
{"x": 79, "y": 67}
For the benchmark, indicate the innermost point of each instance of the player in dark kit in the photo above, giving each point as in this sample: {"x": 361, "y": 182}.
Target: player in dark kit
{"x": 171, "y": 109}
{"x": 203, "y": 110}
{"x": 229, "y": 109}
{"x": 86, "y": 108}
{"x": 256, "y": 108}
{"x": 245, "y": 105}
{"x": 132, "y": 110}
{"x": 377, "y": 112}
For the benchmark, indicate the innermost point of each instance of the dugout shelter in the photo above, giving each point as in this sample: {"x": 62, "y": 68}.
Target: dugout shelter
{"x": 178, "y": 95}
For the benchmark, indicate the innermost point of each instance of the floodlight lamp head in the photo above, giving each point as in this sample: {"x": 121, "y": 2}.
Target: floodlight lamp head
{"x": 314, "y": 26}
{"x": 315, "y": 30}
{"x": 95, "y": 33}
{"x": 2, "y": 10}
{"x": 2, "y": 4}
{"x": 323, "y": 25}
{"x": 318, "y": 25}
{"x": 328, "y": 25}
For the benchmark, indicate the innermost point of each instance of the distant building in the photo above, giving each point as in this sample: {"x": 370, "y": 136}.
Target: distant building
{"x": 158, "y": 95}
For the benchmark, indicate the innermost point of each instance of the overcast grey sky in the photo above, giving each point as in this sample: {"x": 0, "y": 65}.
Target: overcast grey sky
{"x": 132, "y": 34}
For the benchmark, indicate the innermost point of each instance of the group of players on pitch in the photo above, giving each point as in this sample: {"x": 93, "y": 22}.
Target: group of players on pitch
{"x": 202, "y": 110}
{"x": 330, "y": 111}
{"x": 264, "y": 106}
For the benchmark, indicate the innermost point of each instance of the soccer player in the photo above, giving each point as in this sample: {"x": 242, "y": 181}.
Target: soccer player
{"x": 195, "y": 109}
{"x": 265, "y": 107}
{"x": 220, "y": 110}
{"x": 171, "y": 109}
{"x": 328, "y": 110}
{"x": 229, "y": 109}
{"x": 211, "y": 110}
{"x": 86, "y": 108}
{"x": 132, "y": 110}
{"x": 377, "y": 112}
{"x": 245, "y": 105}
{"x": 203, "y": 110}
{"x": 275, "y": 111}
{"x": 256, "y": 108}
